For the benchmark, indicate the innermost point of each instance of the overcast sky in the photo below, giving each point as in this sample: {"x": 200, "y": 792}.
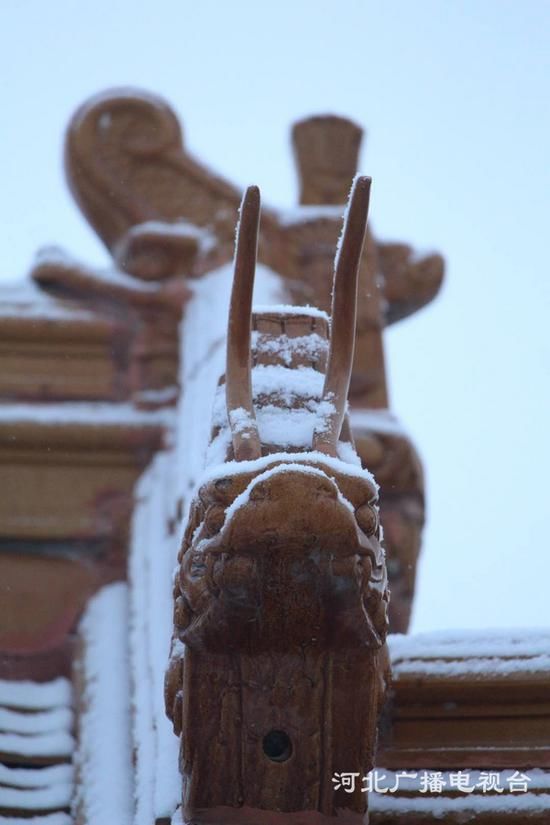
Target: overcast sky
{"x": 454, "y": 96}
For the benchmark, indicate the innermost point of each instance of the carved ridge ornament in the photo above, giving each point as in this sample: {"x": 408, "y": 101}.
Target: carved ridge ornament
{"x": 281, "y": 598}
{"x": 129, "y": 171}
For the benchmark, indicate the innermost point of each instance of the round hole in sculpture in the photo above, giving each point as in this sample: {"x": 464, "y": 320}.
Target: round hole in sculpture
{"x": 277, "y": 746}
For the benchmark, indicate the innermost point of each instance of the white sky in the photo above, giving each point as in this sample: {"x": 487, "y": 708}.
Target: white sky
{"x": 455, "y": 98}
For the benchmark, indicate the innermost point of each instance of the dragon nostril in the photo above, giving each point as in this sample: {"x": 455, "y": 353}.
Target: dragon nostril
{"x": 277, "y": 746}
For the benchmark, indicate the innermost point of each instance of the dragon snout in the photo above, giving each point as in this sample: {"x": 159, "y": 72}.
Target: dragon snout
{"x": 288, "y": 483}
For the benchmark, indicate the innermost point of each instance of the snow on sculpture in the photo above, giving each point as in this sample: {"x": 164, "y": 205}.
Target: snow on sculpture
{"x": 279, "y": 658}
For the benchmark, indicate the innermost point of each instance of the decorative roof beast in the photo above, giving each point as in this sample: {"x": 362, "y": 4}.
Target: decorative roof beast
{"x": 281, "y": 597}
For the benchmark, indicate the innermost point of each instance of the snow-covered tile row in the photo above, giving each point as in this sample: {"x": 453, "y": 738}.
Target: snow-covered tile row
{"x": 445, "y": 643}
{"x": 34, "y": 695}
{"x": 43, "y": 745}
{"x": 449, "y": 653}
{"x": 104, "y": 756}
{"x": 59, "y": 818}
{"x": 91, "y": 413}
{"x": 153, "y": 556}
{"x": 466, "y": 808}
{"x": 45, "y": 721}
{"x": 36, "y": 799}
{"x": 36, "y": 778}
{"x": 23, "y": 299}
{"x": 36, "y": 721}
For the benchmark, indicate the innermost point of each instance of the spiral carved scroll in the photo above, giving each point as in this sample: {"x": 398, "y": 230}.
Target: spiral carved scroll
{"x": 126, "y": 166}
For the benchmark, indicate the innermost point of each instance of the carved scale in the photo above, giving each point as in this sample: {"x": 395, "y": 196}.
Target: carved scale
{"x": 281, "y": 598}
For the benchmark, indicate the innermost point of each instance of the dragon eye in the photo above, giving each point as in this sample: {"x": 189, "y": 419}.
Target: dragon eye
{"x": 367, "y": 519}
{"x": 213, "y": 521}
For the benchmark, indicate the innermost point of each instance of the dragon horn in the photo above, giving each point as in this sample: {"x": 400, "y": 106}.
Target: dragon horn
{"x": 344, "y": 311}
{"x": 238, "y": 383}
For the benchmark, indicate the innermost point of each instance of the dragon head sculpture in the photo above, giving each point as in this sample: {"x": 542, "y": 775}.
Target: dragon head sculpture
{"x": 281, "y": 595}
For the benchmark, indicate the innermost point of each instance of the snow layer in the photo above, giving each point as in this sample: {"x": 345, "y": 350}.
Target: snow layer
{"x": 241, "y": 420}
{"x": 230, "y": 468}
{"x": 288, "y": 309}
{"x": 56, "y": 256}
{"x": 309, "y": 213}
{"x": 37, "y": 799}
{"x": 244, "y": 497}
{"x": 205, "y": 239}
{"x": 537, "y": 779}
{"x": 104, "y": 756}
{"x": 36, "y": 720}
{"x": 379, "y": 421}
{"x": 26, "y": 300}
{"x": 462, "y": 653}
{"x": 153, "y": 556}
{"x": 35, "y": 695}
{"x": 283, "y": 346}
{"x": 293, "y": 427}
{"x": 473, "y": 804}
{"x": 42, "y": 722}
{"x": 48, "y": 819}
{"x": 90, "y": 413}
{"x": 279, "y": 423}
{"x": 287, "y": 383}
{"x": 344, "y": 221}
{"x": 466, "y": 804}
{"x": 166, "y": 395}
{"x": 36, "y": 777}
{"x": 58, "y": 743}
{"x": 467, "y": 667}
{"x": 517, "y": 642}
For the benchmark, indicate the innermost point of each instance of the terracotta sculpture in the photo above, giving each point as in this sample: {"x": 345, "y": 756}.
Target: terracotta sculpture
{"x": 281, "y": 599}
